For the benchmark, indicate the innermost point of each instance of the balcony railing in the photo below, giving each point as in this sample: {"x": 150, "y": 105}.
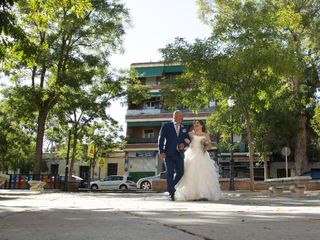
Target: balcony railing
{"x": 159, "y": 111}
{"x": 143, "y": 111}
{"x": 142, "y": 140}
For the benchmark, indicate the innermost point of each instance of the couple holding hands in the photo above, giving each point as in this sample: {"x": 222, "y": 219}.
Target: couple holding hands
{"x": 191, "y": 174}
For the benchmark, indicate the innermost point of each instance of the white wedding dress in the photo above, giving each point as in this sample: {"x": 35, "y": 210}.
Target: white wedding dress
{"x": 201, "y": 178}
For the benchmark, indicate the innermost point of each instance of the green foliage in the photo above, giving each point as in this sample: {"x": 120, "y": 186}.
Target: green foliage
{"x": 66, "y": 50}
{"x": 315, "y": 121}
{"x": 275, "y": 126}
{"x": 191, "y": 89}
{"x": 104, "y": 136}
{"x": 136, "y": 91}
{"x": 16, "y": 142}
{"x": 9, "y": 31}
{"x": 252, "y": 58}
{"x": 226, "y": 121}
{"x": 298, "y": 23}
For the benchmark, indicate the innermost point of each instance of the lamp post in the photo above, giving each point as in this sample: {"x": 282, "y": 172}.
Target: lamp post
{"x": 100, "y": 135}
{"x": 231, "y": 178}
{"x": 67, "y": 159}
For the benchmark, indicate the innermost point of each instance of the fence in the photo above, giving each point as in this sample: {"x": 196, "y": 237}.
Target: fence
{"x": 20, "y": 181}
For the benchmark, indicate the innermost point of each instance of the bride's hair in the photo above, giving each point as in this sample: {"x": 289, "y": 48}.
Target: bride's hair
{"x": 202, "y": 124}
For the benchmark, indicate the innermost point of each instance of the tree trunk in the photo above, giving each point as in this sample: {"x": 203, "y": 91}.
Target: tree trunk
{"x": 265, "y": 165}
{"x": 300, "y": 153}
{"x": 40, "y": 134}
{"x": 74, "y": 151}
{"x": 250, "y": 145}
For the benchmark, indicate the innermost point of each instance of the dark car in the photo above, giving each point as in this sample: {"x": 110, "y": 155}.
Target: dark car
{"x": 83, "y": 183}
{"x": 313, "y": 173}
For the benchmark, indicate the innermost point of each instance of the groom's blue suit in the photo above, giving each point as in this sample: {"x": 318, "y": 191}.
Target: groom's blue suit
{"x": 168, "y": 143}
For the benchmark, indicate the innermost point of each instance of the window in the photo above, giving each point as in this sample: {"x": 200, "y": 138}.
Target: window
{"x": 150, "y": 105}
{"x": 118, "y": 178}
{"x": 54, "y": 169}
{"x": 112, "y": 168}
{"x": 148, "y": 133}
{"x": 151, "y": 81}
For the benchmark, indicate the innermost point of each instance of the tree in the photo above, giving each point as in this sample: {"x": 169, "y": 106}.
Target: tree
{"x": 274, "y": 127}
{"x": 70, "y": 42}
{"x": 225, "y": 121}
{"x": 15, "y": 142}
{"x": 83, "y": 108}
{"x": 8, "y": 27}
{"x": 298, "y": 22}
{"x": 297, "y": 26}
{"x": 87, "y": 107}
{"x": 105, "y": 141}
{"x": 243, "y": 60}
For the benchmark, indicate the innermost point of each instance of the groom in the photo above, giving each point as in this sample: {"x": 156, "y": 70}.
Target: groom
{"x": 173, "y": 137}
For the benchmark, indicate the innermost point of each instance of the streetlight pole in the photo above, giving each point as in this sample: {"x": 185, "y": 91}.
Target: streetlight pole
{"x": 231, "y": 184}
{"x": 67, "y": 159}
{"x": 231, "y": 178}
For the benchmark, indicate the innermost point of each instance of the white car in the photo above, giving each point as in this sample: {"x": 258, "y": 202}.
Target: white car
{"x": 113, "y": 182}
{"x": 146, "y": 182}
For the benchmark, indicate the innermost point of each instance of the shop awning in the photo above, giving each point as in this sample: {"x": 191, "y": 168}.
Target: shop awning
{"x": 155, "y": 94}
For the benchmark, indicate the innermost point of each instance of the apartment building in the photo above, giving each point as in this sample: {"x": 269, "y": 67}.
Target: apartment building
{"x": 144, "y": 120}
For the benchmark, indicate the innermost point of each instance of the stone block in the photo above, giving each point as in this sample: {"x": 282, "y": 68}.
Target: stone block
{"x": 3, "y": 179}
{"x": 36, "y": 186}
{"x": 159, "y": 185}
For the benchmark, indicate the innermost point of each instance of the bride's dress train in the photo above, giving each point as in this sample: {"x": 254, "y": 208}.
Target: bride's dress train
{"x": 201, "y": 178}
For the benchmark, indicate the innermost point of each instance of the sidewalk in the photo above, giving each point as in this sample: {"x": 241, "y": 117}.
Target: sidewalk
{"x": 139, "y": 216}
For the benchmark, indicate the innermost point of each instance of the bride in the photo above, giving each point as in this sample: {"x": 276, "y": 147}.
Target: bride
{"x": 201, "y": 178}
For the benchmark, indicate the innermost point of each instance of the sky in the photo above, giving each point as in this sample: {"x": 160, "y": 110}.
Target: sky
{"x": 155, "y": 23}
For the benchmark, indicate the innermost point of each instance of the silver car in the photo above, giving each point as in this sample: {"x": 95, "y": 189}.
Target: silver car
{"x": 113, "y": 182}
{"x": 146, "y": 182}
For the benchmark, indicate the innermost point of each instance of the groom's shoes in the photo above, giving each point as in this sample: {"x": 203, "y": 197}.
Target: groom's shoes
{"x": 172, "y": 196}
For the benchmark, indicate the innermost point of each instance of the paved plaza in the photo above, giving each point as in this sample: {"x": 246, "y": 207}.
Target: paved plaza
{"x": 139, "y": 216}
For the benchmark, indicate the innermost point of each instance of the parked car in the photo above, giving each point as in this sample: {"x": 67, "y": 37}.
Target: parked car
{"x": 113, "y": 182}
{"x": 83, "y": 183}
{"x": 146, "y": 182}
{"x": 313, "y": 173}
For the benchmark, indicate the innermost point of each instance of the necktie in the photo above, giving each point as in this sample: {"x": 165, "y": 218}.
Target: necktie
{"x": 177, "y": 129}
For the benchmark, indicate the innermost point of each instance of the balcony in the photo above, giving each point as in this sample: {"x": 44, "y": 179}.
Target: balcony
{"x": 159, "y": 111}
{"x": 143, "y": 111}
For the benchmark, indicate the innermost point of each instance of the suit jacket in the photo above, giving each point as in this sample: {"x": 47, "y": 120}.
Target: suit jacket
{"x": 168, "y": 139}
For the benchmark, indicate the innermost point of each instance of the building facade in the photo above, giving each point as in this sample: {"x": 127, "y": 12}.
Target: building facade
{"x": 113, "y": 164}
{"x": 144, "y": 120}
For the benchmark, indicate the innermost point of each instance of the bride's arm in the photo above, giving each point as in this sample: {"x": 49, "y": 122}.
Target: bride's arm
{"x": 208, "y": 146}
{"x": 188, "y": 140}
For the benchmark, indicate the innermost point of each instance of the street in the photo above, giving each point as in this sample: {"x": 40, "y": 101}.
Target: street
{"x": 138, "y": 216}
